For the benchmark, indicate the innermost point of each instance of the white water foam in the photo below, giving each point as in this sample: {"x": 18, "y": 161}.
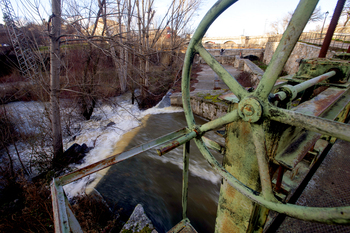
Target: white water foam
{"x": 95, "y": 133}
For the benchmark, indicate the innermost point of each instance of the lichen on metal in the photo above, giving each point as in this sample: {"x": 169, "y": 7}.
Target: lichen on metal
{"x": 256, "y": 133}
{"x": 261, "y": 112}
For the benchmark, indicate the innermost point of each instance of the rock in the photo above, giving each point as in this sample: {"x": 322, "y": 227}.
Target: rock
{"x": 138, "y": 222}
{"x": 110, "y": 124}
{"x": 73, "y": 154}
{"x": 165, "y": 102}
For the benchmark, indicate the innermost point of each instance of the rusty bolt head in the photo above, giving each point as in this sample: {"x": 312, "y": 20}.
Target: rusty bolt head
{"x": 250, "y": 109}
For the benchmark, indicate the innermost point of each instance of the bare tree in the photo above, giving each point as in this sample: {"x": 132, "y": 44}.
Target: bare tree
{"x": 55, "y": 76}
{"x": 317, "y": 15}
{"x": 346, "y": 12}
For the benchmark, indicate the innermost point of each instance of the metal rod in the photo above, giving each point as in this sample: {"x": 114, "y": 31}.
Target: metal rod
{"x": 331, "y": 28}
{"x": 304, "y": 85}
{"x": 220, "y": 122}
{"x": 259, "y": 142}
{"x": 279, "y": 178}
{"x": 59, "y": 208}
{"x": 285, "y": 47}
{"x": 330, "y": 215}
{"x": 176, "y": 143}
{"x": 229, "y": 80}
{"x": 214, "y": 145}
{"x": 315, "y": 124}
{"x": 202, "y": 28}
{"x": 186, "y": 160}
{"x": 309, "y": 83}
{"x": 80, "y": 173}
{"x": 217, "y": 123}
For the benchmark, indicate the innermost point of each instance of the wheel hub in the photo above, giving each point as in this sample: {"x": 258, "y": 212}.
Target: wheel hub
{"x": 250, "y": 109}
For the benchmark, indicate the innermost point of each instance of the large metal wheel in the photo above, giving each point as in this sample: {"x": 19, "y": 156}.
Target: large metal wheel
{"x": 254, "y": 107}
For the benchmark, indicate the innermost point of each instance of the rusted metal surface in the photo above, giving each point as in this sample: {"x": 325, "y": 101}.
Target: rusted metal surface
{"x": 186, "y": 163}
{"x": 279, "y": 179}
{"x": 291, "y": 182}
{"x": 332, "y": 215}
{"x": 80, "y": 173}
{"x": 331, "y": 28}
{"x": 319, "y": 125}
{"x": 319, "y": 104}
{"x": 183, "y": 227}
{"x": 250, "y": 109}
{"x": 314, "y": 67}
{"x": 234, "y": 208}
{"x": 176, "y": 143}
{"x": 297, "y": 149}
{"x": 59, "y": 208}
{"x": 262, "y": 159}
{"x": 244, "y": 200}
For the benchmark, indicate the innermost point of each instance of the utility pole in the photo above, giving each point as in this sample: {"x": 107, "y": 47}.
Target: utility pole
{"x": 55, "y": 32}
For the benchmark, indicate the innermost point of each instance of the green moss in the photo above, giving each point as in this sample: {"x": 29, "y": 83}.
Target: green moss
{"x": 146, "y": 229}
{"x": 212, "y": 98}
{"x": 260, "y": 64}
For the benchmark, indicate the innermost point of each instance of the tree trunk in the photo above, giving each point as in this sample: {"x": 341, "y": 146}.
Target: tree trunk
{"x": 55, "y": 82}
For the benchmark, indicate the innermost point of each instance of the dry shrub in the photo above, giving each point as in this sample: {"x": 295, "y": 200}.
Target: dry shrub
{"x": 7, "y": 130}
{"x": 244, "y": 78}
{"x": 26, "y": 207}
{"x": 14, "y": 76}
{"x": 86, "y": 75}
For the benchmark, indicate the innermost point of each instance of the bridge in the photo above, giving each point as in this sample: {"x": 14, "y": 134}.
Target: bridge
{"x": 236, "y": 40}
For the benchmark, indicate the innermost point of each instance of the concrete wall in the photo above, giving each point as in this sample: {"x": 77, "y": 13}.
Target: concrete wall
{"x": 237, "y": 41}
{"x": 234, "y": 52}
{"x": 256, "y": 72}
{"x": 201, "y": 106}
{"x": 301, "y": 50}
{"x": 221, "y": 59}
{"x": 230, "y": 55}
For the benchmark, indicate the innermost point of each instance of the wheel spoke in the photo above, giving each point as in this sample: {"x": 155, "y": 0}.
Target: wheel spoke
{"x": 220, "y": 122}
{"x": 285, "y": 47}
{"x": 330, "y": 215}
{"x": 260, "y": 148}
{"x": 230, "y": 81}
{"x": 312, "y": 123}
{"x": 214, "y": 12}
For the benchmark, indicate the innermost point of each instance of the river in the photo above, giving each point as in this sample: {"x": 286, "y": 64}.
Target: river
{"x": 156, "y": 182}
{"x": 153, "y": 181}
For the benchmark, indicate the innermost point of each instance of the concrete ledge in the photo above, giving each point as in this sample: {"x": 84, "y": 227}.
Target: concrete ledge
{"x": 204, "y": 103}
{"x": 256, "y": 72}
{"x": 221, "y": 59}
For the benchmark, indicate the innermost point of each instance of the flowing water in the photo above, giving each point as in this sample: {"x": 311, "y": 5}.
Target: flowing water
{"x": 156, "y": 182}
{"x": 153, "y": 181}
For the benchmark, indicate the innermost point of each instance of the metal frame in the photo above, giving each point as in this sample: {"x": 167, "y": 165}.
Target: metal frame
{"x": 255, "y": 108}
{"x": 253, "y": 111}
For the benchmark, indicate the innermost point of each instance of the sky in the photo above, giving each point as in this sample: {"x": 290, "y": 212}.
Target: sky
{"x": 245, "y": 17}
{"x": 254, "y": 17}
